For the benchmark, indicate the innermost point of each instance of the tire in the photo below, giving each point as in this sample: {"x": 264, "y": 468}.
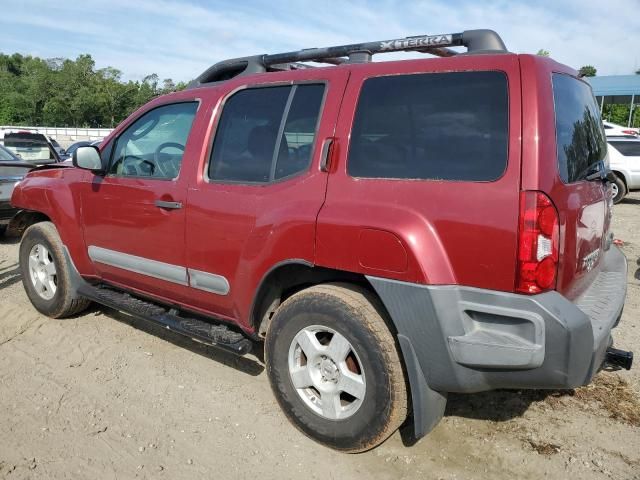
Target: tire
{"x": 373, "y": 403}
{"x": 48, "y": 288}
{"x": 619, "y": 189}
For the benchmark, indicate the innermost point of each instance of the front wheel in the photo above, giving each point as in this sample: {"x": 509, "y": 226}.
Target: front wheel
{"x": 45, "y": 273}
{"x": 334, "y": 367}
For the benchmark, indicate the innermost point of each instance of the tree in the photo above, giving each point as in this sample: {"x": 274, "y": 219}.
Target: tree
{"x": 587, "y": 71}
{"x": 543, "y": 53}
{"x": 65, "y": 92}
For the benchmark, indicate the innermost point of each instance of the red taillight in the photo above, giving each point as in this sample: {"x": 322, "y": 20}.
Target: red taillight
{"x": 629, "y": 132}
{"x": 538, "y": 243}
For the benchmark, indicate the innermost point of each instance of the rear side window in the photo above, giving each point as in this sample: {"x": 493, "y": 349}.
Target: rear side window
{"x": 628, "y": 149}
{"x": 266, "y": 134}
{"x": 440, "y": 126}
{"x": 580, "y": 135}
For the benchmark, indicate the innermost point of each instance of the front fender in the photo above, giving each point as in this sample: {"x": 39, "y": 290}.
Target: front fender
{"x": 54, "y": 193}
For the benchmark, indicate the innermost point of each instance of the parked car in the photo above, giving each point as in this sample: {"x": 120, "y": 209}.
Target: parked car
{"x": 392, "y": 231}
{"x": 31, "y": 147}
{"x": 624, "y": 161}
{"x": 12, "y": 170}
{"x": 614, "y": 130}
{"x": 74, "y": 146}
{"x": 59, "y": 150}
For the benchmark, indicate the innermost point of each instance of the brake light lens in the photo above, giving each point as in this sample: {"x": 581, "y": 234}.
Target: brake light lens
{"x": 629, "y": 132}
{"x": 538, "y": 243}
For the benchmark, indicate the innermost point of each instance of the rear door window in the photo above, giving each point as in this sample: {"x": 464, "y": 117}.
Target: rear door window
{"x": 580, "y": 137}
{"x": 266, "y": 134}
{"x": 628, "y": 149}
{"x": 438, "y": 126}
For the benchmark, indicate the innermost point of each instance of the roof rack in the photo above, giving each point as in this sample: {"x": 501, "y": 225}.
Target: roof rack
{"x": 476, "y": 41}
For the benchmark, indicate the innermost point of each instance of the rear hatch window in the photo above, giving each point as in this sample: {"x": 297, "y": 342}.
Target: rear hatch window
{"x": 31, "y": 147}
{"x": 584, "y": 205}
{"x": 432, "y": 126}
{"x": 580, "y": 134}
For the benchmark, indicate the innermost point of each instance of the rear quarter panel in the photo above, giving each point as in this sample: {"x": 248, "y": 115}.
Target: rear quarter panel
{"x": 449, "y": 232}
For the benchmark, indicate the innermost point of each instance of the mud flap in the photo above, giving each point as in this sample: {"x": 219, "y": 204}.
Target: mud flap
{"x": 428, "y": 405}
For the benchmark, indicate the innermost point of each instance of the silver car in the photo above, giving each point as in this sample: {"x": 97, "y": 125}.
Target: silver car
{"x": 12, "y": 170}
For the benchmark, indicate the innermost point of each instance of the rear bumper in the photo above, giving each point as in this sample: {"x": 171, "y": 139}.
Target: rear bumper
{"x": 468, "y": 340}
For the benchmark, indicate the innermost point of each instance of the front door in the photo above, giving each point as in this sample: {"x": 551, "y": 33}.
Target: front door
{"x": 133, "y": 217}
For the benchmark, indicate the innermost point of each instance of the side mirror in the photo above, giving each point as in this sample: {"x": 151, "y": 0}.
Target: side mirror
{"x": 88, "y": 158}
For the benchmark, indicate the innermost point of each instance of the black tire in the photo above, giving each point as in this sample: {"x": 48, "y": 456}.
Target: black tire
{"x": 622, "y": 190}
{"x": 354, "y": 313}
{"x": 64, "y": 302}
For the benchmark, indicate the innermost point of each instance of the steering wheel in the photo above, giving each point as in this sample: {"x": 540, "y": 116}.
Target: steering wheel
{"x": 156, "y": 155}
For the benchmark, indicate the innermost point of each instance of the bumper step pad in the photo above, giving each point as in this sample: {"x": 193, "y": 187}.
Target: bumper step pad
{"x": 216, "y": 335}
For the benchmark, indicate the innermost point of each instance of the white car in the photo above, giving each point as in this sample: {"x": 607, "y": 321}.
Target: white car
{"x": 613, "y": 130}
{"x": 624, "y": 161}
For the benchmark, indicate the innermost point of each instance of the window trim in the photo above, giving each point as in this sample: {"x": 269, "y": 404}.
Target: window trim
{"x": 406, "y": 74}
{"x": 217, "y": 116}
{"x": 114, "y": 142}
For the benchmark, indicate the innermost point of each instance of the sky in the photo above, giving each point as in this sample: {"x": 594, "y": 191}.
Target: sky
{"x": 179, "y": 39}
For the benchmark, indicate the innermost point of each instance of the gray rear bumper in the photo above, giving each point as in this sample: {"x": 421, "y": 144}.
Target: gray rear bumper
{"x": 462, "y": 339}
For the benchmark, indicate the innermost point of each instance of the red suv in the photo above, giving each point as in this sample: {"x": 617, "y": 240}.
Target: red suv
{"x": 392, "y": 231}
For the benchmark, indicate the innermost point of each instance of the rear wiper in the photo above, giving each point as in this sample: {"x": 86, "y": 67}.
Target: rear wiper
{"x": 597, "y": 171}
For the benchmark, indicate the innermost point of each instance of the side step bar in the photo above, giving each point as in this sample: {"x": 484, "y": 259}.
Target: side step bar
{"x": 199, "y": 330}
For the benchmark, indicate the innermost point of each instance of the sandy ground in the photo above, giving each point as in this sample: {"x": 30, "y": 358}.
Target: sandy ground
{"x": 105, "y": 396}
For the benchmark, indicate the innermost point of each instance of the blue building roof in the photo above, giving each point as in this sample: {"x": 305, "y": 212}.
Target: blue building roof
{"x": 615, "y": 85}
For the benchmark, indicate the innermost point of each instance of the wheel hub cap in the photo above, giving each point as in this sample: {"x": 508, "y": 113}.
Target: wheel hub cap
{"x": 329, "y": 370}
{"x": 326, "y": 372}
{"x": 42, "y": 271}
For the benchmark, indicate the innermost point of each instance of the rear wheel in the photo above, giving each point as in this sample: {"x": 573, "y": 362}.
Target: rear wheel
{"x": 618, "y": 190}
{"x": 334, "y": 367}
{"x": 45, "y": 273}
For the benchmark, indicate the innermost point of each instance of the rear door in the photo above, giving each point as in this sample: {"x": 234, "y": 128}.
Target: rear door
{"x": 564, "y": 140}
{"x": 255, "y": 201}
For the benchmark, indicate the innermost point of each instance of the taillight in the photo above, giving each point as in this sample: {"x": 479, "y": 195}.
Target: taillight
{"x": 629, "y": 132}
{"x": 538, "y": 243}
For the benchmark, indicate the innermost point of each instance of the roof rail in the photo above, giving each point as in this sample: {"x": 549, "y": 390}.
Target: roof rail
{"x": 476, "y": 41}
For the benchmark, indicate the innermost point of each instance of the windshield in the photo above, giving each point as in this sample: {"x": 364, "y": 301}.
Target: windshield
{"x": 580, "y": 134}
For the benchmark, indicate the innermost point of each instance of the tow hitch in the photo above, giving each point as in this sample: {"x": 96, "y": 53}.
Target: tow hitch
{"x": 619, "y": 358}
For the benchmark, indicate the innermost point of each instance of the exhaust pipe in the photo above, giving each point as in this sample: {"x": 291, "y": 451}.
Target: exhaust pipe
{"x": 619, "y": 358}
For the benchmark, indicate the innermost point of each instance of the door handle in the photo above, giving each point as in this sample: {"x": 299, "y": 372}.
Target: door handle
{"x": 325, "y": 153}
{"x": 168, "y": 205}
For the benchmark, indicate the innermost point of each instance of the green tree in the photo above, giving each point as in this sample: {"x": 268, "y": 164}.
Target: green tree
{"x": 587, "y": 71}
{"x": 64, "y": 92}
{"x": 543, "y": 53}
